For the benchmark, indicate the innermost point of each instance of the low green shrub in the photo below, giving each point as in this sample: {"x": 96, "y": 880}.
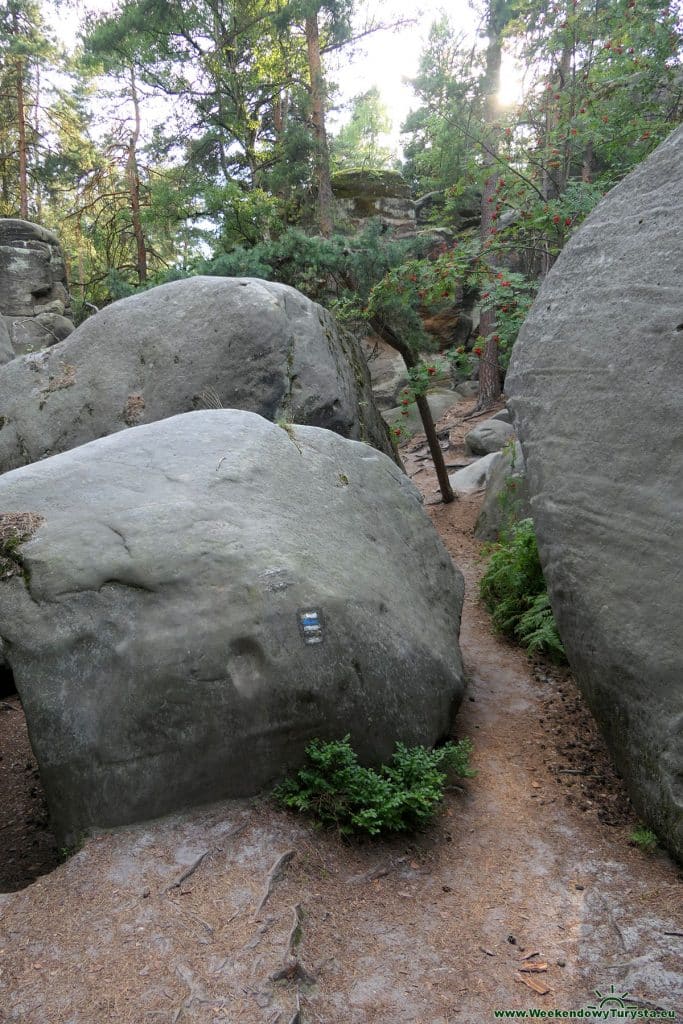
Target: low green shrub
{"x": 644, "y": 838}
{"x": 513, "y": 589}
{"x": 401, "y": 796}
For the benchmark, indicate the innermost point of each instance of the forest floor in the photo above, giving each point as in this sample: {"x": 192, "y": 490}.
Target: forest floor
{"x": 526, "y": 893}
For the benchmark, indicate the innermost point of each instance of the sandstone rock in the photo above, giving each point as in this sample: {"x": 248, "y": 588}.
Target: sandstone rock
{"x": 489, "y": 436}
{"x": 365, "y": 193}
{"x": 507, "y": 494}
{"x": 209, "y": 592}
{"x": 205, "y": 341}
{"x": 34, "y": 301}
{"x": 472, "y": 478}
{"x": 366, "y": 181}
{"x": 592, "y": 408}
{"x": 6, "y": 349}
{"x": 440, "y": 400}
{"x": 388, "y": 371}
{"x": 451, "y": 327}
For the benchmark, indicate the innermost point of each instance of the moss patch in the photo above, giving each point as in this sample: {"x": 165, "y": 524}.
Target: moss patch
{"x": 15, "y": 529}
{"x": 361, "y": 183}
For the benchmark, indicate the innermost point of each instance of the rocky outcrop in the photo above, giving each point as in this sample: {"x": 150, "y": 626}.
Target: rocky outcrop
{"x": 202, "y": 342}
{"x": 507, "y": 495}
{"x": 199, "y": 597}
{"x": 34, "y": 301}
{"x": 364, "y": 193}
{"x": 596, "y": 393}
{"x": 388, "y": 371}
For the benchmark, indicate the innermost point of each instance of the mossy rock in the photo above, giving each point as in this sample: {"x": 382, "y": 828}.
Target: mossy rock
{"x": 360, "y": 181}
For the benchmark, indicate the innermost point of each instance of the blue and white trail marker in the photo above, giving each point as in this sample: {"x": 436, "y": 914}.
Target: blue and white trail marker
{"x": 311, "y": 625}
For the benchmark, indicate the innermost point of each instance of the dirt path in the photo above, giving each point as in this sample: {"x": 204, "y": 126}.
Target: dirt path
{"x": 530, "y": 857}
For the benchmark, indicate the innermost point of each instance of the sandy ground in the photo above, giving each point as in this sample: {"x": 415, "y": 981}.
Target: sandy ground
{"x": 241, "y": 913}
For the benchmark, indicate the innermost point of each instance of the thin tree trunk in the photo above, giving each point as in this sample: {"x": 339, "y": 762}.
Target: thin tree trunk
{"x": 411, "y": 360}
{"x": 489, "y": 373}
{"x": 322, "y": 156}
{"x": 134, "y": 185}
{"x": 37, "y": 192}
{"x": 21, "y": 118}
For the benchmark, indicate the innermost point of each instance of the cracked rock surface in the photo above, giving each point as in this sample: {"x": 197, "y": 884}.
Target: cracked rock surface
{"x": 604, "y": 456}
{"x": 157, "y": 629}
{"x": 35, "y": 310}
{"x": 205, "y": 342}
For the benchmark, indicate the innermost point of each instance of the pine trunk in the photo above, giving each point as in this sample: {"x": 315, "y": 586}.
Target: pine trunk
{"x": 133, "y": 174}
{"x": 411, "y": 360}
{"x": 21, "y": 120}
{"x": 322, "y": 156}
{"x": 489, "y": 373}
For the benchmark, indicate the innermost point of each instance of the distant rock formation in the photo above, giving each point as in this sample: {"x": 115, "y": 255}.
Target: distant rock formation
{"x": 596, "y": 391}
{"x": 34, "y": 301}
{"x": 365, "y": 193}
{"x": 190, "y": 602}
{"x": 203, "y": 342}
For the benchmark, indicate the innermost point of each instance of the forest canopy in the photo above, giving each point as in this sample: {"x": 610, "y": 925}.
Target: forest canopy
{"x": 193, "y": 137}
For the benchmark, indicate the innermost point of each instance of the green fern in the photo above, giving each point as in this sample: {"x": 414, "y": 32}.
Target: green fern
{"x": 537, "y": 631}
{"x": 513, "y": 589}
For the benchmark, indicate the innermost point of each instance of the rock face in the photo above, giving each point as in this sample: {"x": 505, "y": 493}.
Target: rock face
{"x": 199, "y": 597}
{"x": 388, "y": 371}
{"x": 206, "y": 341}
{"x": 507, "y": 494}
{"x": 34, "y": 301}
{"x": 595, "y": 386}
{"x": 364, "y": 193}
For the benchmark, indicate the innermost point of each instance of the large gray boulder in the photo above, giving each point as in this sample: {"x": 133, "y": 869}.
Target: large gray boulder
{"x": 202, "y": 342}
{"x": 597, "y": 392}
{"x": 34, "y": 301}
{"x": 157, "y": 627}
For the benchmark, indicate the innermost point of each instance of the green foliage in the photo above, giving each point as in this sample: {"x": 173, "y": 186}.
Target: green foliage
{"x": 644, "y": 838}
{"x": 513, "y": 589}
{"x": 400, "y": 796}
{"x": 329, "y": 270}
{"x": 357, "y": 143}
